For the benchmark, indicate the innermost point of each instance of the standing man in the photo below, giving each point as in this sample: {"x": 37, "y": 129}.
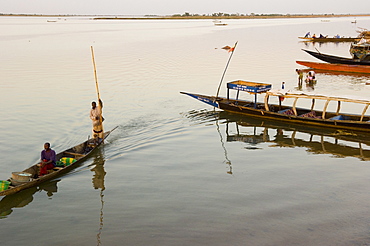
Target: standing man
{"x": 300, "y": 77}
{"x": 48, "y": 159}
{"x": 97, "y": 119}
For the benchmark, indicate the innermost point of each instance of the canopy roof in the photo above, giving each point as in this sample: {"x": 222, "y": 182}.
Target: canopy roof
{"x": 298, "y": 94}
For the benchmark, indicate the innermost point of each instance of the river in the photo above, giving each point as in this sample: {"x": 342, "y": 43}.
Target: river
{"x": 175, "y": 172}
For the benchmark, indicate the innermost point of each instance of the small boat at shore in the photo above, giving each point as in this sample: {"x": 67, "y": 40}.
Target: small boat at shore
{"x": 75, "y": 156}
{"x": 334, "y": 40}
{"x": 289, "y": 113}
{"x": 219, "y": 23}
{"x": 336, "y": 67}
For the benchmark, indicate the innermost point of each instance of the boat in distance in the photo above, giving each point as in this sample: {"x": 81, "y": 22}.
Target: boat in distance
{"x": 336, "y": 67}
{"x": 337, "y": 59}
{"x": 289, "y": 113}
{"x": 334, "y": 40}
{"x": 79, "y": 153}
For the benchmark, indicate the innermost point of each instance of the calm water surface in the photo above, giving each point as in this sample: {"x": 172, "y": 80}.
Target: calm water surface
{"x": 175, "y": 172}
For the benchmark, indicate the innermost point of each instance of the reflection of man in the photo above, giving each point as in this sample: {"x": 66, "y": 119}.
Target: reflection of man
{"x": 97, "y": 119}
{"x": 98, "y": 179}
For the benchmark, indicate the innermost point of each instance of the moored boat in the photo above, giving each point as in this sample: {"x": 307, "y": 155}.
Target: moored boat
{"x": 335, "y": 40}
{"x": 337, "y": 59}
{"x": 77, "y": 154}
{"x": 336, "y": 67}
{"x": 291, "y": 113}
{"x": 361, "y": 50}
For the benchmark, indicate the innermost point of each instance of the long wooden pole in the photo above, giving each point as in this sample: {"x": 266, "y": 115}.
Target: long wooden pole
{"x": 227, "y": 64}
{"x": 97, "y": 87}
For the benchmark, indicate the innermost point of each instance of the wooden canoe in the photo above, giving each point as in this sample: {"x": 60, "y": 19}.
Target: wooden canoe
{"x": 336, "y": 67}
{"x": 337, "y": 59}
{"x": 335, "y": 40}
{"x": 79, "y": 152}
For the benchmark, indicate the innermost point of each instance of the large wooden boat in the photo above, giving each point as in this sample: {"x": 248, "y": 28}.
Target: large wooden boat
{"x": 79, "y": 152}
{"x": 290, "y": 113}
{"x": 336, "y": 67}
{"x": 334, "y": 40}
{"x": 337, "y": 59}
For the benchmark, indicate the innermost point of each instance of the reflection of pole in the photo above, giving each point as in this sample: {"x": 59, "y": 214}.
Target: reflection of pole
{"x": 98, "y": 236}
{"x": 228, "y": 162}
{"x": 98, "y": 183}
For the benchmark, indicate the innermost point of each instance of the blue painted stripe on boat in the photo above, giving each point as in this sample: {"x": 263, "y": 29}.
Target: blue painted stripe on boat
{"x": 203, "y": 99}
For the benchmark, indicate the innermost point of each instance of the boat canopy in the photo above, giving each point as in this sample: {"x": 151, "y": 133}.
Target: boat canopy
{"x": 328, "y": 99}
{"x": 250, "y": 87}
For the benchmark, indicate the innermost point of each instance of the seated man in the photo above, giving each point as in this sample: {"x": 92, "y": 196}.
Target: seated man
{"x": 48, "y": 159}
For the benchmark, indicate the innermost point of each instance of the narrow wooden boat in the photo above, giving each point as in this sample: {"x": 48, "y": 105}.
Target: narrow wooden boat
{"x": 335, "y": 40}
{"x": 289, "y": 113}
{"x": 337, "y": 59}
{"x": 79, "y": 152}
{"x": 336, "y": 67}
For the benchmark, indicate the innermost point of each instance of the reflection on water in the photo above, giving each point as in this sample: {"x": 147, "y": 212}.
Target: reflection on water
{"x": 98, "y": 183}
{"x": 25, "y": 197}
{"x": 254, "y": 132}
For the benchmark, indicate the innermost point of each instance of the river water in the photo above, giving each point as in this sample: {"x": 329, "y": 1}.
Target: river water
{"x": 176, "y": 172}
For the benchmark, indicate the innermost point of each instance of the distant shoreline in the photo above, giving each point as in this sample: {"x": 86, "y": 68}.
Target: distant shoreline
{"x": 226, "y": 17}
{"x": 193, "y": 17}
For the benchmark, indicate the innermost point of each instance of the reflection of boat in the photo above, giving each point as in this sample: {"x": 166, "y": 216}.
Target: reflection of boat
{"x": 25, "y": 197}
{"x": 335, "y": 40}
{"x": 336, "y": 67}
{"x": 291, "y": 113}
{"x": 337, "y": 59}
{"x": 79, "y": 152}
{"x": 255, "y": 131}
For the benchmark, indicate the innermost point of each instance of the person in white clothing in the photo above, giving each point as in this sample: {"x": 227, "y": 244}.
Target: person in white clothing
{"x": 97, "y": 119}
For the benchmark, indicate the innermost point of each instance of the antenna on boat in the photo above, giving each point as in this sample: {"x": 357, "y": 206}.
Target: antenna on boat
{"x": 232, "y": 49}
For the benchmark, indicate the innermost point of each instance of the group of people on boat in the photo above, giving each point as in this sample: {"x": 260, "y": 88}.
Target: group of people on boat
{"x": 308, "y": 35}
{"x": 48, "y": 155}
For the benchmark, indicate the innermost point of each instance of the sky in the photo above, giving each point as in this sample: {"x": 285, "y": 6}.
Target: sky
{"x": 170, "y": 7}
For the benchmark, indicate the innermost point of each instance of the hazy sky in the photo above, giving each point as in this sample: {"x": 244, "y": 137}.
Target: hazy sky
{"x": 169, "y": 7}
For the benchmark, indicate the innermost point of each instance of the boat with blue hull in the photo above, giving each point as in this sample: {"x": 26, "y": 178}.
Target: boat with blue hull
{"x": 289, "y": 113}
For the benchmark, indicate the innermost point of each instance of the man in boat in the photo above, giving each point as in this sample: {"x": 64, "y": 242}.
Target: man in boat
{"x": 48, "y": 159}
{"x": 308, "y": 35}
{"x": 97, "y": 119}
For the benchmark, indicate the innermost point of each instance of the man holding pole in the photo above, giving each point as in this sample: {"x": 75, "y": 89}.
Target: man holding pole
{"x": 97, "y": 119}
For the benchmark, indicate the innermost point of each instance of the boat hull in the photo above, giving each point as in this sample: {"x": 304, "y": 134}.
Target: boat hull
{"x": 336, "y": 67}
{"x": 78, "y": 149}
{"x": 335, "y": 40}
{"x": 337, "y": 59}
{"x": 247, "y": 108}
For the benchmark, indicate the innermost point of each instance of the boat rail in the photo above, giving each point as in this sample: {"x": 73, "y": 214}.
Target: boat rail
{"x": 314, "y": 97}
